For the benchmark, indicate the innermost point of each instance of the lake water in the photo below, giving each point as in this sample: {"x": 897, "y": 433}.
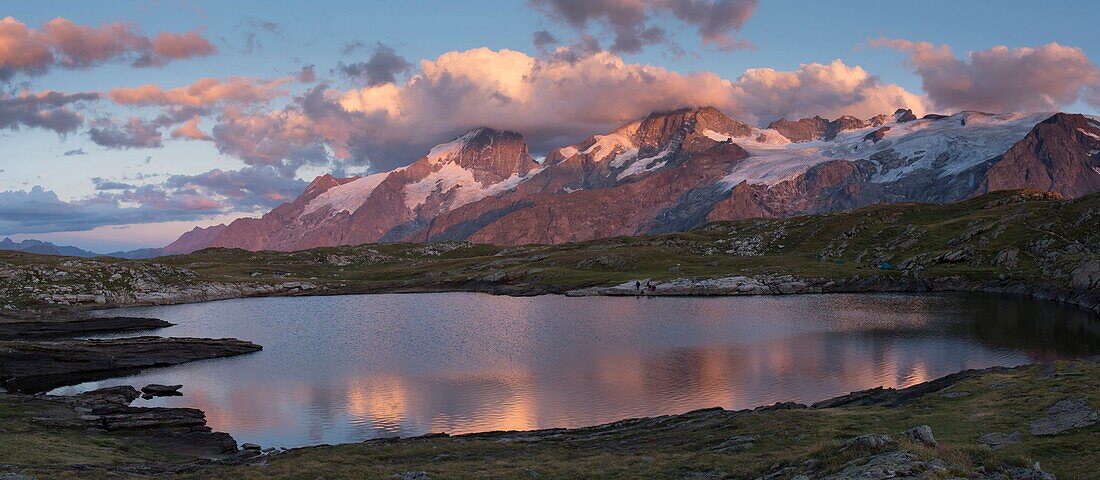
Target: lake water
{"x": 348, "y": 368}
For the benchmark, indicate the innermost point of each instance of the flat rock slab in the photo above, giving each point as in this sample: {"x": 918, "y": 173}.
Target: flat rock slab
{"x": 108, "y": 410}
{"x": 70, "y": 328}
{"x": 157, "y": 390}
{"x": 33, "y": 367}
{"x": 998, "y": 441}
{"x": 1065, "y": 415}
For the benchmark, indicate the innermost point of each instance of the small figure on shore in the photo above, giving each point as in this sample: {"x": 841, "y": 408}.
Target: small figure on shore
{"x": 637, "y": 286}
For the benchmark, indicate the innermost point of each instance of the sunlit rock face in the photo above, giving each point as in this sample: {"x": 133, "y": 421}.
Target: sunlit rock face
{"x": 672, "y": 171}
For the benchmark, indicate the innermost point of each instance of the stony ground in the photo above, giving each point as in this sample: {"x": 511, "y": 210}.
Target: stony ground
{"x": 1006, "y": 241}
{"x": 995, "y": 425}
{"x": 1032, "y": 422}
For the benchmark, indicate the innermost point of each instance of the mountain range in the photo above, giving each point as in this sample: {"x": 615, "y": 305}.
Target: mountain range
{"x": 672, "y": 171}
{"x": 46, "y": 248}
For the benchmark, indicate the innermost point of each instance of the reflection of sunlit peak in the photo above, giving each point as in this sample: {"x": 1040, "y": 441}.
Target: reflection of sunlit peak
{"x": 382, "y": 400}
{"x": 917, "y": 373}
{"x": 623, "y": 372}
{"x": 518, "y": 414}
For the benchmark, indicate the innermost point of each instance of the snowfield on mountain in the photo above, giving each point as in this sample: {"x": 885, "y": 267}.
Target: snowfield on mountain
{"x": 673, "y": 171}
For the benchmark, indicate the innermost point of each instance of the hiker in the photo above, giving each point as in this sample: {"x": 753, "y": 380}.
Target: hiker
{"x": 638, "y": 286}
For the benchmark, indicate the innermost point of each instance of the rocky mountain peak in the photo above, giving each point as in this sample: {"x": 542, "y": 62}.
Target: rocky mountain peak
{"x": 490, "y": 153}
{"x": 660, "y": 129}
{"x": 903, "y": 115}
{"x": 672, "y": 170}
{"x": 322, "y": 184}
{"x": 802, "y": 130}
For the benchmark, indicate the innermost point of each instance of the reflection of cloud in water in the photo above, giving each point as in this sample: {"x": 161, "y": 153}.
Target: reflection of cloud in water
{"x": 406, "y": 365}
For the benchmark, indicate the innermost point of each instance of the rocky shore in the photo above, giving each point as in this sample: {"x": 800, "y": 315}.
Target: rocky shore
{"x": 1087, "y": 296}
{"x": 39, "y": 366}
{"x": 108, "y": 411}
{"x": 45, "y": 328}
{"x": 1020, "y": 423}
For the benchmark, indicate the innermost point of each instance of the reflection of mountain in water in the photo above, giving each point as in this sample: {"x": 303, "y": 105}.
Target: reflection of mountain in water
{"x": 376, "y": 366}
{"x": 1046, "y": 331}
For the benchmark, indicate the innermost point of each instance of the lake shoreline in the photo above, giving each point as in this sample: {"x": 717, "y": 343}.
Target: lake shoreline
{"x": 197, "y": 437}
{"x": 739, "y": 285}
{"x": 213, "y": 453}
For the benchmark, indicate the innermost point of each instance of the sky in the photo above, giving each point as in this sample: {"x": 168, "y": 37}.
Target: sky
{"x": 124, "y": 124}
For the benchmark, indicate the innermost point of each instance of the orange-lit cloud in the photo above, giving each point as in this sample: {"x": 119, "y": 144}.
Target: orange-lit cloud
{"x": 551, "y": 101}
{"x": 61, "y": 42}
{"x": 173, "y": 46}
{"x": 1001, "y": 79}
{"x": 190, "y": 131}
{"x": 204, "y": 92}
{"x": 815, "y": 89}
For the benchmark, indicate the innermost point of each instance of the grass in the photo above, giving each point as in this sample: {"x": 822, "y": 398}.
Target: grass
{"x": 1047, "y": 239}
{"x": 1002, "y": 401}
{"x": 664, "y": 447}
{"x": 27, "y": 444}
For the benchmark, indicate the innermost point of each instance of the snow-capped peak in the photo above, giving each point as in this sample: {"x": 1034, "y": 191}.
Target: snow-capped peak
{"x": 446, "y": 151}
{"x": 347, "y": 197}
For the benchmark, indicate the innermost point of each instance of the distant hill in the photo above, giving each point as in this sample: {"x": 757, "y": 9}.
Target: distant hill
{"x": 47, "y": 248}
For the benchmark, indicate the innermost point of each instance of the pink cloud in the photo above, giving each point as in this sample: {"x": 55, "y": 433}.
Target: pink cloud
{"x": 174, "y": 46}
{"x": 61, "y": 42}
{"x": 190, "y": 131}
{"x": 21, "y": 49}
{"x": 1001, "y": 79}
{"x": 550, "y": 101}
{"x": 204, "y": 92}
{"x": 828, "y": 90}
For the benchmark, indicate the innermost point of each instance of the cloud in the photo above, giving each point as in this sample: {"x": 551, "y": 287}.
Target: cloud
{"x": 177, "y": 46}
{"x": 190, "y": 131}
{"x": 350, "y": 47}
{"x": 306, "y": 75}
{"x": 629, "y": 20}
{"x": 178, "y": 198}
{"x": 105, "y": 184}
{"x": 74, "y": 152}
{"x": 49, "y": 110}
{"x": 829, "y": 90}
{"x": 39, "y": 210}
{"x": 383, "y": 66}
{"x": 543, "y": 40}
{"x": 252, "y": 28}
{"x": 63, "y": 43}
{"x": 1001, "y": 79}
{"x": 21, "y": 49}
{"x": 203, "y": 92}
{"x": 135, "y": 133}
{"x": 552, "y": 101}
{"x": 247, "y": 189}
{"x": 284, "y": 139}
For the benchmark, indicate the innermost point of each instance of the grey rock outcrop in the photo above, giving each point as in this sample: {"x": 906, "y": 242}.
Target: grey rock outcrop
{"x": 1065, "y": 415}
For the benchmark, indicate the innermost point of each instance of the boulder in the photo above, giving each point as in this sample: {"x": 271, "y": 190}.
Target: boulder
{"x": 735, "y": 443}
{"x": 869, "y": 441}
{"x": 998, "y": 441}
{"x": 921, "y": 434}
